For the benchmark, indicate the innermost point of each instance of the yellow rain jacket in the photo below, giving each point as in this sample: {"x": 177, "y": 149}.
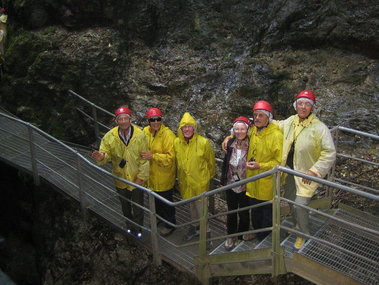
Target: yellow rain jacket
{"x": 266, "y": 148}
{"x": 195, "y": 161}
{"x": 115, "y": 150}
{"x": 3, "y": 33}
{"x": 162, "y": 166}
{"x": 314, "y": 149}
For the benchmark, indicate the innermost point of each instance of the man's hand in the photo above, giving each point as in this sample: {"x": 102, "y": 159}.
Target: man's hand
{"x": 148, "y": 155}
{"x": 252, "y": 165}
{"x": 307, "y": 181}
{"x": 99, "y": 156}
{"x": 138, "y": 181}
{"x": 224, "y": 144}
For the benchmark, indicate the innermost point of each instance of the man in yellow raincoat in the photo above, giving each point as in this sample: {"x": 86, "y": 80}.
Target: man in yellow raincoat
{"x": 265, "y": 152}
{"x": 195, "y": 160}
{"x": 161, "y": 155}
{"x": 122, "y": 146}
{"x": 307, "y": 147}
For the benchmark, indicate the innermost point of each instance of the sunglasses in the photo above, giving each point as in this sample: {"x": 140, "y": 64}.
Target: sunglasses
{"x": 155, "y": 119}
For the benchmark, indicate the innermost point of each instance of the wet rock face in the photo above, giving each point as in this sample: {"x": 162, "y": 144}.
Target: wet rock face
{"x": 350, "y": 25}
{"x": 213, "y": 58}
{"x": 266, "y": 25}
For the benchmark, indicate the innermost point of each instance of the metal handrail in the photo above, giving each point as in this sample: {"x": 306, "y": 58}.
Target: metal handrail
{"x": 356, "y": 132}
{"x": 204, "y": 196}
{"x": 90, "y": 103}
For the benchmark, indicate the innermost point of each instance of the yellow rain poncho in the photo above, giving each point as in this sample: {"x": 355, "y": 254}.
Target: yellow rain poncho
{"x": 162, "y": 166}
{"x": 3, "y": 34}
{"x": 195, "y": 161}
{"x": 115, "y": 150}
{"x": 314, "y": 149}
{"x": 266, "y": 148}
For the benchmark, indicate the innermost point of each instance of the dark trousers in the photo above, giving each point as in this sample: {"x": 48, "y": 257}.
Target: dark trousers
{"x": 237, "y": 223}
{"x": 261, "y": 217}
{"x": 164, "y": 210}
{"x": 130, "y": 210}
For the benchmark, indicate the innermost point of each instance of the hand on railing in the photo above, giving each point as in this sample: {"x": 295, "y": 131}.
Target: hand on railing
{"x": 99, "y": 156}
{"x": 311, "y": 173}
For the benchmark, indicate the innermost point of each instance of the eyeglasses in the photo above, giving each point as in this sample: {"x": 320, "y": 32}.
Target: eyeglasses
{"x": 155, "y": 119}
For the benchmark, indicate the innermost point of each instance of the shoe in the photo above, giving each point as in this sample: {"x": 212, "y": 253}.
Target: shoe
{"x": 166, "y": 231}
{"x": 247, "y": 237}
{"x": 138, "y": 235}
{"x": 229, "y": 244}
{"x": 299, "y": 242}
{"x": 191, "y": 233}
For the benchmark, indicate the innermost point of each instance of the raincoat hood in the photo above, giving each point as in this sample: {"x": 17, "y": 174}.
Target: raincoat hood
{"x": 187, "y": 119}
{"x": 3, "y": 18}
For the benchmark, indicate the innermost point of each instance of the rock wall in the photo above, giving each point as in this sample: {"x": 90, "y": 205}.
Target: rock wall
{"x": 212, "y": 58}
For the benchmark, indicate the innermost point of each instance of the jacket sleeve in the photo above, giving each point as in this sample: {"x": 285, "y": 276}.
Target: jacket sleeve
{"x": 143, "y": 164}
{"x": 106, "y": 148}
{"x": 276, "y": 152}
{"x": 167, "y": 157}
{"x": 327, "y": 153}
{"x": 279, "y": 123}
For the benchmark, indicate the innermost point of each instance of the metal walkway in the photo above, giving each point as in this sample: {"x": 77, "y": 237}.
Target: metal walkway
{"x": 348, "y": 251}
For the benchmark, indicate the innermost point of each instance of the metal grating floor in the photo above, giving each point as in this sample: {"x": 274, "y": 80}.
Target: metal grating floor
{"x": 364, "y": 270}
{"x": 357, "y": 268}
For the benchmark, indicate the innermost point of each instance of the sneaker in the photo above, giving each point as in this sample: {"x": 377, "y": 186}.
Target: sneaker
{"x": 247, "y": 237}
{"x": 166, "y": 231}
{"x": 299, "y": 242}
{"x": 139, "y": 235}
{"x": 229, "y": 243}
{"x": 191, "y": 233}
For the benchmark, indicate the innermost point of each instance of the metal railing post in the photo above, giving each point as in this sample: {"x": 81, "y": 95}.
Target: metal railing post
{"x": 33, "y": 157}
{"x": 277, "y": 252}
{"x": 82, "y": 194}
{"x": 97, "y": 132}
{"x": 330, "y": 177}
{"x": 203, "y": 267}
{"x": 154, "y": 230}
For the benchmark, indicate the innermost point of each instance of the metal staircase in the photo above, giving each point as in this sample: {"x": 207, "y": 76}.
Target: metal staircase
{"x": 343, "y": 247}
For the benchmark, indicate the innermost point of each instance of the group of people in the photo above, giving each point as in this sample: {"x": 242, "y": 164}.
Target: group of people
{"x": 155, "y": 157}
{"x": 301, "y": 142}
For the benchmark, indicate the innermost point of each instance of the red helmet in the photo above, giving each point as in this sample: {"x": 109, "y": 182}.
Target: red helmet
{"x": 242, "y": 119}
{"x": 123, "y": 110}
{"x": 153, "y": 112}
{"x": 306, "y": 94}
{"x": 263, "y": 105}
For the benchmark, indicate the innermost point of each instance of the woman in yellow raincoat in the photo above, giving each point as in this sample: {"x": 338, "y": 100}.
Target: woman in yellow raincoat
{"x": 195, "y": 160}
{"x": 161, "y": 155}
